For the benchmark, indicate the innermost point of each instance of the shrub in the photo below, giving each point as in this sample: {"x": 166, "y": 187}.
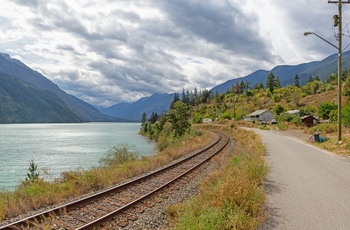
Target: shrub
{"x": 296, "y": 120}
{"x": 226, "y": 116}
{"x": 33, "y": 174}
{"x": 278, "y": 109}
{"x": 197, "y": 118}
{"x": 325, "y": 108}
{"x": 120, "y": 154}
{"x": 346, "y": 115}
{"x": 276, "y": 98}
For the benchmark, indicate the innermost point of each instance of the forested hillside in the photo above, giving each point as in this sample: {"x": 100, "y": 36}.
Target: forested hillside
{"x": 27, "y": 96}
{"x": 23, "y": 103}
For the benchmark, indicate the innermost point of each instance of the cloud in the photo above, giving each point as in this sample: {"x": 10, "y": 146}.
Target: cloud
{"x": 106, "y": 52}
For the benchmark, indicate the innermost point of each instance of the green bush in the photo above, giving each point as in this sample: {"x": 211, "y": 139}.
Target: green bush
{"x": 346, "y": 115}
{"x": 276, "y": 98}
{"x": 325, "y": 108}
{"x": 296, "y": 120}
{"x": 120, "y": 154}
{"x": 226, "y": 116}
{"x": 197, "y": 118}
{"x": 278, "y": 109}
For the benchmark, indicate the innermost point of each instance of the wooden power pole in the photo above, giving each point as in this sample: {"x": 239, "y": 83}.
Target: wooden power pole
{"x": 338, "y": 22}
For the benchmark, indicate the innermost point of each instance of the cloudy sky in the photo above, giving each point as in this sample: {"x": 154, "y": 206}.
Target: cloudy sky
{"x": 111, "y": 51}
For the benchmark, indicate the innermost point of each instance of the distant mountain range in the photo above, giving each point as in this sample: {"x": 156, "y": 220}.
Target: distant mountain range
{"x": 157, "y": 103}
{"x": 26, "y": 96}
{"x": 160, "y": 102}
{"x": 286, "y": 73}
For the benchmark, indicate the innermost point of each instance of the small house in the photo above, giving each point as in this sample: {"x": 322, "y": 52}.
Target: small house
{"x": 261, "y": 115}
{"x": 309, "y": 120}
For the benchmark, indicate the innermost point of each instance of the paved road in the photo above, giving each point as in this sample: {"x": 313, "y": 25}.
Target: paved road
{"x": 307, "y": 188}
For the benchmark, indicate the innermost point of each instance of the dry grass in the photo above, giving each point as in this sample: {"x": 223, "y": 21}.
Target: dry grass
{"x": 317, "y": 99}
{"x": 231, "y": 197}
{"x": 73, "y": 184}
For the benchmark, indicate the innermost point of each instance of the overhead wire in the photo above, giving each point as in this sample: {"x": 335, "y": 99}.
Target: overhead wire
{"x": 346, "y": 28}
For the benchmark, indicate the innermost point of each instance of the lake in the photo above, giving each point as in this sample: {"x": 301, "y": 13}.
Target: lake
{"x": 61, "y": 147}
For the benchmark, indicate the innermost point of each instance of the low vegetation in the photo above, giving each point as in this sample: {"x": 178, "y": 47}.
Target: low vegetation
{"x": 232, "y": 197}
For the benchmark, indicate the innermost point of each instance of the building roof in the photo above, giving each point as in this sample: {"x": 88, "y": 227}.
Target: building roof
{"x": 293, "y": 112}
{"x": 304, "y": 117}
{"x": 258, "y": 112}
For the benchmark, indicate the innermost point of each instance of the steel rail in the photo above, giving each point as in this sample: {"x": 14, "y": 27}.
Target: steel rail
{"x": 106, "y": 218}
{"x": 26, "y": 222}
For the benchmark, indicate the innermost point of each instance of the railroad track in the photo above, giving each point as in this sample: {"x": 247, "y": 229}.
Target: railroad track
{"x": 93, "y": 211}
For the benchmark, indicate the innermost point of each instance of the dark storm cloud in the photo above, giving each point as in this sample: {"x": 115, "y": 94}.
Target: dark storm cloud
{"x": 220, "y": 23}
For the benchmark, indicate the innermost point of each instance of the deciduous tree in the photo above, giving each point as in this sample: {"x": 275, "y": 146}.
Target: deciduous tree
{"x": 179, "y": 118}
{"x": 325, "y": 108}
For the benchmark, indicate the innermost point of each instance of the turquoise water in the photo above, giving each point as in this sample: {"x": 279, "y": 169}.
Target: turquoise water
{"x": 61, "y": 147}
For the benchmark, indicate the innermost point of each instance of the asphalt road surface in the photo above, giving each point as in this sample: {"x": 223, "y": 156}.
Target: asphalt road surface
{"x": 307, "y": 188}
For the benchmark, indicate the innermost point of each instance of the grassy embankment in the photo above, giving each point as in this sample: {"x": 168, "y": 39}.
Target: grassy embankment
{"x": 233, "y": 196}
{"x": 121, "y": 164}
{"x": 329, "y": 131}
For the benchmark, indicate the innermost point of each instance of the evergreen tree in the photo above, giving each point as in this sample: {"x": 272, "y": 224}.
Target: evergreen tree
{"x": 176, "y": 99}
{"x": 144, "y": 118}
{"x": 311, "y": 79}
{"x": 296, "y": 81}
{"x": 185, "y": 98}
{"x": 241, "y": 87}
{"x": 277, "y": 83}
{"x": 206, "y": 94}
{"x": 188, "y": 95}
{"x": 258, "y": 86}
{"x": 154, "y": 117}
{"x": 247, "y": 85}
{"x": 270, "y": 82}
{"x": 33, "y": 174}
{"x": 195, "y": 97}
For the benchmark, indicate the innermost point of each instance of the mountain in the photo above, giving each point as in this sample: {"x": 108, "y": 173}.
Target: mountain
{"x": 157, "y": 103}
{"x": 160, "y": 103}
{"x": 27, "y": 96}
{"x": 286, "y": 73}
{"x": 21, "y": 102}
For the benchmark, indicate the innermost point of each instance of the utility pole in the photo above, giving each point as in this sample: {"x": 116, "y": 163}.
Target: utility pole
{"x": 338, "y": 22}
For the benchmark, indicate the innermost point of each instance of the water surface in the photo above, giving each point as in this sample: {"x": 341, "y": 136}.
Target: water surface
{"x": 61, "y": 147}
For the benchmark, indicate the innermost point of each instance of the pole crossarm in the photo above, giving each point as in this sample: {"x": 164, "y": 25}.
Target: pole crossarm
{"x": 338, "y": 1}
